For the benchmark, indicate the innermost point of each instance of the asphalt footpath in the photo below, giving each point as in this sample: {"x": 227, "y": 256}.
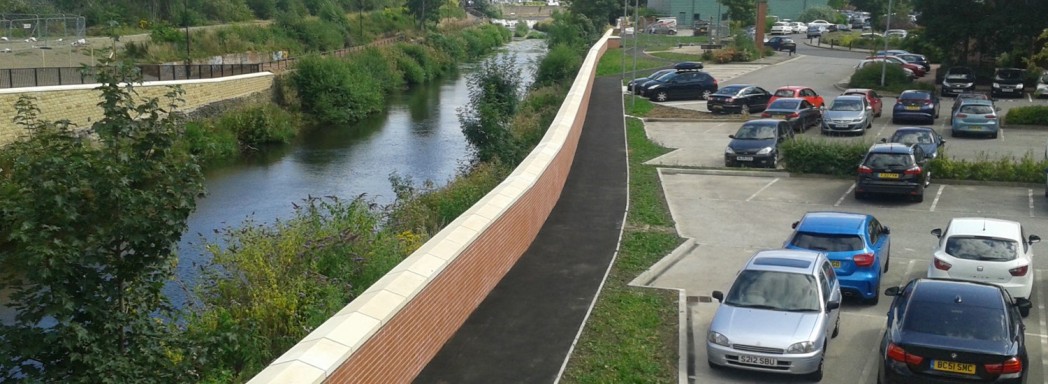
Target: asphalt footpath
{"x": 523, "y": 330}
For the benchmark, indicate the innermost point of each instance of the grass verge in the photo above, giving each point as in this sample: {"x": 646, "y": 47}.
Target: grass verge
{"x": 632, "y": 334}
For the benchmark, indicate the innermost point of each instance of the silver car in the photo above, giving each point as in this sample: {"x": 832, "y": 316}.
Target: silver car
{"x": 848, "y": 113}
{"x": 779, "y": 315}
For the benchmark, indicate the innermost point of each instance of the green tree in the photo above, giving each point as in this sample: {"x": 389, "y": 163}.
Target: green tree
{"x": 741, "y": 10}
{"x": 87, "y": 231}
{"x": 600, "y": 12}
{"x": 821, "y": 13}
{"x": 495, "y": 94}
{"x": 987, "y": 27}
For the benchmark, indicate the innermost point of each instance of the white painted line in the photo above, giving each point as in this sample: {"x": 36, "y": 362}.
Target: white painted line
{"x": 1029, "y": 194}
{"x": 844, "y": 196}
{"x": 869, "y": 362}
{"x": 937, "y": 196}
{"x": 762, "y": 188}
{"x": 909, "y": 270}
{"x": 1044, "y": 327}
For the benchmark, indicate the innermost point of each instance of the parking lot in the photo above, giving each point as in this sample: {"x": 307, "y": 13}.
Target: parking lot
{"x": 729, "y": 214}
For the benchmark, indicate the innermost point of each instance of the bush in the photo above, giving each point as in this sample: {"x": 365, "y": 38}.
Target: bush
{"x": 335, "y": 91}
{"x": 823, "y": 157}
{"x": 260, "y": 125}
{"x": 1006, "y": 169}
{"x": 870, "y": 77}
{"x": 1031, "y": 115}
{"x": 561, "y": 63}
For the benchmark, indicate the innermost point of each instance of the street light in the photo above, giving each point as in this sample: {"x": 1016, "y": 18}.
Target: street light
{"x": 185, "y": 22}
{"x": 887, "y": 26}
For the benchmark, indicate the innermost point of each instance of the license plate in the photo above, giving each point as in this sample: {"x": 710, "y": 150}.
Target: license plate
{"x": 757, "y": 360}
{"x": 952, "y": 366}
{"x": 835, "y": 263}
{"x": 744, "y": 158}
{"x": 841, "y": 125}
{"x": 912, "y": 108}
{"x": 888, "y": 175}
{"x": 974, "y": 128}
{"x": 716, "y": 107}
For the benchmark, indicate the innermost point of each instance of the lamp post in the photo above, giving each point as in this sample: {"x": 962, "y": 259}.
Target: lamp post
{"x": 887, "y": 26}
{"x": 185, "y": 22}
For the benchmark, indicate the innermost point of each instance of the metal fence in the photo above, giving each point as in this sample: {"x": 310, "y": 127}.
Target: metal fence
{"x": 37, "y": 77}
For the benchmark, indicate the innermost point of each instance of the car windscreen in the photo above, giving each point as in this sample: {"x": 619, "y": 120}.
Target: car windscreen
{"x": 846, "y": 105}
{"x": 982, "y": 248}
{"x": 1009, "y": 74}
{"x": 784, "y": 93}
{"x": 730, "y": 90}
{"x": 912, "y": 137}
{"x": 827, "y": 242}
{"x": 956, "y": 321}
{"x": 976, "y": 109}
{"x": 666, "y": 76}
{"x": 960, "y": 74}
{"x": 756, "y": 132}
{"x": 887, "y": 160}
{"x": 775, "y": 290}
{"x": 784, "y": 104}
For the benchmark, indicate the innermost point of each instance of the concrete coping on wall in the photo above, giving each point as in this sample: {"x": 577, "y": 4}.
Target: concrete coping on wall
{"x": 321, "y": 352}
{"x": 159, "y": 83}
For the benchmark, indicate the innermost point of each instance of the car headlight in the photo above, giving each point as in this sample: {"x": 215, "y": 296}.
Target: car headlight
{"x": 717, "y": 338}
{"x": 857, "y": 120}
{"x": 801, "y": 347}
{"x": 1019, "y": 86}
{"x": 729, "y": 151}
{"x": 764, "y": 151}
{"x": 996, "y": 85}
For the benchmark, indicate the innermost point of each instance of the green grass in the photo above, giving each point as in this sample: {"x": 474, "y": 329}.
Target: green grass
{"x": 676, "y": 56}
{"x": 632, "y": 334}
{"x": 638, "y": 106}
{"x": 612, "y": 63}
{"x": 651, "y": 42}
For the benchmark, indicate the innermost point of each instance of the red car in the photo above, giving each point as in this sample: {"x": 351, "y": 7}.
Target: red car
{"x": 918, "y": 70}
{"x": 871, "y": 96}
{"x": 799, "y": 92}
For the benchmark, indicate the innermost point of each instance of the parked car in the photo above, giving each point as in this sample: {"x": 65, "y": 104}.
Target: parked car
{"x": 918, "y": 70}
{"x": 916, "y": 105}
{"x": 1007, "y": 82}
{"x": 961, "y": 97}
{"x": 848, "y": 114}
{"x": 820, "y": 23}
{"x": 779, "y": 315}
{"x": 927, "y": 138}
{"x": 815, "y": 31}
{"x": 632, "y": 85}
{"x": 871, "y": 96}
{"x": 916, "y": 59}
{"x": 891, "y": 52}
{"x": 842, "y": 27}
{"x": 986, "y": 250}
{"x": 756, "y": 143}
{"x": 798, "y": 27}
{"x": 737, "y": 98}
{"x": 798, "y": 91}
{"x": 958, "y": 80}
{"x": 799, "y": 113}
{"x": 780, "y": 43}
{"x": 975, "y": 116}
{"x": 680, "y": 85}
{"x": 662, "y": 29}
{"x": 897, "y": 33}
{"x": 1042, "y": 86}
{"x": 950, "y": 331}
{"x": 781, "y": 28}
{"x": 893, "y": 168}
{"x": 910, "y": 74}
{"x": 857, "y": 245}
{"x": 700, "y": 27}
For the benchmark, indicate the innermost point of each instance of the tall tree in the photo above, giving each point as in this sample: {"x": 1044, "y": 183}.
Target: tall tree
{"x": 988, "y": 27}
{"x": 742, "y": 10}
{"x": 87, "y": 232}
{"x": 600, "y": 12}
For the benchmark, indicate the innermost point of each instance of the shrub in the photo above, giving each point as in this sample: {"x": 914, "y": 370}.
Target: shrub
{"x": 210, "y": 144}
{"x": 336, "y": 92}
{"x": 561, "y": 63}
{"x": 1031, "y": 115}
{"x": 870, "y": 77}
{"x": 1006, "y": 169}
{"x": 521, "y": 29}
{"x": 823, "y": 157}
{"x": 260, "y": 125}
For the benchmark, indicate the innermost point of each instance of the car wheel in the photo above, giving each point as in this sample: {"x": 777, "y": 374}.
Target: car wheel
{"x": 993, "y": 135}
{"x": 837, "y": 327}
{"x": 953, "y": 133}
{"x": 706, "y": 94}
{"x": 714, "y": 366}
{"x": 662, "y": 96}
{"x": 919, "y": 198}
{"x": 895, "y": 121}
{"x": 775, "y": 161}
{"x": 861, "y": 195}
{"x": 1024, "y": 312}
{"x": 817, "y": 375}
{"x": 876, "y": 296}
{"x": 887, "y": 259}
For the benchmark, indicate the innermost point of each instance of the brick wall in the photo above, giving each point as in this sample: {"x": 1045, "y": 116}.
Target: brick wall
{"x": 79, "y": 103}
{"x": 390, "y": 332}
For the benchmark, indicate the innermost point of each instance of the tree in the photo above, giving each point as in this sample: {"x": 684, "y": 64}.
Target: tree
{"x": 987, "y": 27}
{"x": 88, "y": 224}
{"x": 495, "y": 94}
{"x": 742, "y": 10}
{"x": 600, "y": 12}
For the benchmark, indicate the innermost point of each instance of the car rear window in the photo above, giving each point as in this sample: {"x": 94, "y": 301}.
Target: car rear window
{"x": 827, "y": 242}
{"x": 982, "y": 248}
{"x": 912, "y": 137}
{"x": 846, "y": 105}
{"x": 956, "y": 321}
{"x": 784, "y": 93}
{"x": 887, "y": 160}
{"x": 914, "y": 96}
{"x": 784, "y": 104}
{"x": 976, "y": 109}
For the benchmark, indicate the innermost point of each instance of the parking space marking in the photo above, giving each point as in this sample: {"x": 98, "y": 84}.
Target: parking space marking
{"x": 1029, "y": 194}
{"x": 762, "y": 189}
{"x": 715, "y": 127}
{"x": 869, "y": 362}
{"x": 845, "y": 195}
{"x": 1044, "y": 339}
{"x": 936, "y": 200}
{"x": 906, "y": 276}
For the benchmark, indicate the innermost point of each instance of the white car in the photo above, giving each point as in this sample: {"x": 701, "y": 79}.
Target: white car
{"x": 799, "y": 27}
{"x": 781, "y": 28}
{"x": 986, "y": 250}
{"x": 822, "y": 23}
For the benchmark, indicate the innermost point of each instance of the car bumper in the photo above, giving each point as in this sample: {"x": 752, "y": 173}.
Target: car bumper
{"x": 1018, "y": 288}
{"x": 898, "y": 373}
{"x": 738, "y": 160}
{"x": 828, "y": 127}
{"x": 798, "y": 364}
{"x": 974, "y": 128}
{"x": 727, "y": 108}
{"x": 950, "y": 90}
{"x": 895, "y": 188}
{"x": 912, "y": 115}
{"x": 862, "y": 284}
{"x": 1007, "y": 91}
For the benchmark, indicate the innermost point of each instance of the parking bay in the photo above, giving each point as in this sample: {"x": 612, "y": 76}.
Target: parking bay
{"x": 730, "y": 215}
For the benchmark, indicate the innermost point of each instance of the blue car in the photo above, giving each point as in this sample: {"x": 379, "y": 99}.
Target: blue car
{"x": 975, "y": 117}
{"x": 916, "y": 105}
{"x": 857, "y": 245}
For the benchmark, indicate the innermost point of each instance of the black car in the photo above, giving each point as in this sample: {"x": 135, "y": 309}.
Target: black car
{"x": 639, "y": 85}
{"x": 681, "y": 85}
{"x": 1007, "y": 82}
{"x": 634, "y": 85}
{"x": 893, "y": 168}
{"x": 756, "y": 143}
{"x": 737, "y": 98}
{"x": 952, "y": 331}
{"x": 780, "y": 43}
{"x": 916, "y": 59}
{"x": 798, "y": 112}
{"x": 927, "y": 138}
{"x": 958, "y": 80}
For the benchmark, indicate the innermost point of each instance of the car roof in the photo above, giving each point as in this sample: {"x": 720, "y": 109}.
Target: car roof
{"x": 915, "y": 92}
{"x": 914, "y": 129}
{"x": 784, "y": 260}
{"x": 832, "y": 222}
{"x": 794, "y": 87}
{"x": 890, "y": 148}
{"x": 857, "y": 90}
{"x": 764, "y": 121}
{"x": 946, "y": 291}
{"x": 850, "y": 97}
{"x": 784, "y": 100}
{"x": 983, "y": 226}
{"x": 976, "y": 102}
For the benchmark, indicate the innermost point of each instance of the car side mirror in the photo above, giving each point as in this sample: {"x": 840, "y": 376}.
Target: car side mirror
{"x": 884, "y": 139}
{"x": 719, "y": 296}
{"x": 893, "y": 291}
{"x": 885, "y": 230}
{"x": 1022, "y": 303}
{"x": 937, "y": 232}
{"x": 794, "y": 225}
{"x": 869, "y": 107}
{"x": 1034, "y": 239}
{"x": 832, "y": 305}
{"x": 731, "y": 136}
{"x": 942, "y": 142}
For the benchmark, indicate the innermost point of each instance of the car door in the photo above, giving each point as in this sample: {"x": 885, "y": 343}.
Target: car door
{"x": 876, "y": 102}
{"x": 812, "y": 97}
{"x": 830, "y": 292}
{"x": 758, "y": 99}
{"x": 807, "y": 113}
{"x": 880, "y": 242}
{"x": 682, "y": 85}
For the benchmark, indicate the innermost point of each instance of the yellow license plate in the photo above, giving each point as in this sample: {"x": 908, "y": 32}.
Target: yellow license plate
{"x": 974, "y": 128}
{"x": 912, "y": 108}
{"x": 955, "y": 367}
{"x": 835, "y": 263}
{"x": 888, "y": 175}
